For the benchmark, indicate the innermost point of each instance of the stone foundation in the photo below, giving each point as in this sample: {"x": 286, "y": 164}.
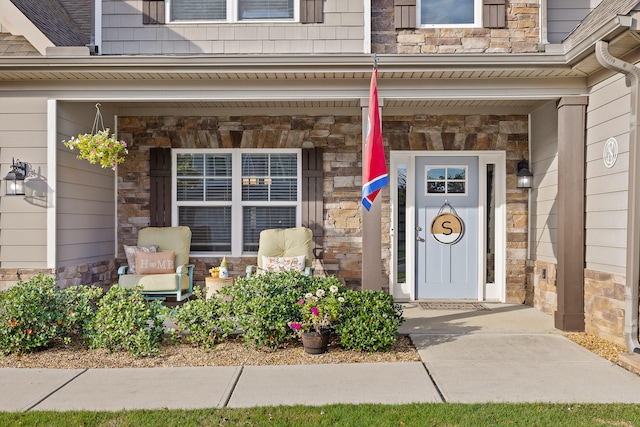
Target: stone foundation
{"x": 545, "y": 294}
{"x": 9, "y": 277}
{"x": 604, "y": 295}
{"x": 99, "y": 273}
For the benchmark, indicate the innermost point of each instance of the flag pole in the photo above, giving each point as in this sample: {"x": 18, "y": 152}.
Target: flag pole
{"x": 374, "y": 178}
{"x": 374, "y": 165}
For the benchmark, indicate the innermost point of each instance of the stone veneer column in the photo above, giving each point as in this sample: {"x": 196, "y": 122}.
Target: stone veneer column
{"x": 569, "y": 315}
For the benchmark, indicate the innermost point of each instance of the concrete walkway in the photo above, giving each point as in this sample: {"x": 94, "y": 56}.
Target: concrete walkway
{"x": 510, "y": 353}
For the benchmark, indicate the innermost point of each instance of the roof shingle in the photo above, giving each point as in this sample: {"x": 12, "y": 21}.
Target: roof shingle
{"x": 53, "y": 20}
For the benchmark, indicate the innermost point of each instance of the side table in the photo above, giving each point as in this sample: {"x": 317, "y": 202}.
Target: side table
{"x": 214, "y": 284}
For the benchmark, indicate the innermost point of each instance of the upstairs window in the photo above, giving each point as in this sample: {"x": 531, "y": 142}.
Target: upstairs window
{"x": 232, "y": 10}
{"x": 449, "y": 13}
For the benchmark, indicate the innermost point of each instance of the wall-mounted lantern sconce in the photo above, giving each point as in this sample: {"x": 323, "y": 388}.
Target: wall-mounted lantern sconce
{"x": 525, "y": 177}
{"x": 14, "y": 181}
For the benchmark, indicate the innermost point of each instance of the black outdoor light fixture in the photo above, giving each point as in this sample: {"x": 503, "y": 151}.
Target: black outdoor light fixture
{"x": 14, "y": 181}
{"x": 525, "y": 177}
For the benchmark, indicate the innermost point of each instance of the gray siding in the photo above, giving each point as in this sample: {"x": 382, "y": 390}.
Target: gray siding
{"x": 544, "y": 165}
{"x": 564, "y": 15}
{"x": 606, "y": 188}
{"x": 85, "y": 213}
{"x": 23, "y": 219}
{"x": 124, "y": 34}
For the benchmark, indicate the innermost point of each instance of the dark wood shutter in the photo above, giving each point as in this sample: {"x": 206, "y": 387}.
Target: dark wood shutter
{"x": 160, "y": 181}
{"x": 494, "y": 14}
{"x": 313, "y": 197}
{"x": 404, "y": 14}
{"x": 153, "y": 12}
{"x": 311, "y": 11}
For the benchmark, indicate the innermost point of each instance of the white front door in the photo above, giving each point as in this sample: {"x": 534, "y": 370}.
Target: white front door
{"x": 446, "y": 227}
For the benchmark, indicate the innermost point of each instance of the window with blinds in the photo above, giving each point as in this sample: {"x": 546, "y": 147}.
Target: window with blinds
{"x": 183, "y": 10}
{"x": 265, "y": 9}
{"x": 228, "y": 197}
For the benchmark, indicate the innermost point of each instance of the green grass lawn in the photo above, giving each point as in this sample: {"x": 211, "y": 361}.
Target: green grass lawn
{"x": 438, "y": 414}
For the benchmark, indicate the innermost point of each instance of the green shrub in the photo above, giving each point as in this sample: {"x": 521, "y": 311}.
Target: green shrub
{"x": 78, "y": 305}
{"x": 264, "y": 304}
{"x": 370, "y": 321}
{"x": 206, "y": 320}
{"x": 29, "y": 315}
{"x": 125, "y": 321}
{"x": 35, "y": 313}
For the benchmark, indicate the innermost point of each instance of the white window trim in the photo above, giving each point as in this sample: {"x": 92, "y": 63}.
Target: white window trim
{"x": 237, "y": 204}
{"x": 477, "y": 17}
{"x": 232, "y": 16}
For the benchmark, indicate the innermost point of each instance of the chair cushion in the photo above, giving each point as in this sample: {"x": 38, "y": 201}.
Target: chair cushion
{"x": 155, "y": 263}
{"x": 286, "y": 242}
{"x": 177, "y": 239}
{"x": 130, "y": 252}
{"x": 154, "y": 282}
{"x": 282, "y": 264}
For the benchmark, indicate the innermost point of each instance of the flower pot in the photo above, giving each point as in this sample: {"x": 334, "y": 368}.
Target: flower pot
{"x": 315, "y": 342}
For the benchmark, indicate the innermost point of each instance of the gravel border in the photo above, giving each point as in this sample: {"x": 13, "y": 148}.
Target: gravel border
{"x": 231, "y": 352}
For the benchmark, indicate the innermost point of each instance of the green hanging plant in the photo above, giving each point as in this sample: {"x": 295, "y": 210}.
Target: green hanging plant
{"x": 99, "y": 147}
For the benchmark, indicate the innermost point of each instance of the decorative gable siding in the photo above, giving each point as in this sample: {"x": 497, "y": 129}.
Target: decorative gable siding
{"x": 517, "y": 31}
{"x": 339, "y": 29}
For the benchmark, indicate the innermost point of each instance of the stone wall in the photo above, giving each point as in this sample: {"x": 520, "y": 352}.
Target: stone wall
{"x": 521, "y": 34}
{"x": 545, "y": 294}
{"x": 604, "y": 295}
{"x": 99, "y": 273}
{"x": 341, "y": 138}
{"x": 9, "y": 277}
{"x": 479, "y": 133}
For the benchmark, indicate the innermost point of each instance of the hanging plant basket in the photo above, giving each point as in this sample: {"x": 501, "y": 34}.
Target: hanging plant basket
{"x": 99, "y": 146}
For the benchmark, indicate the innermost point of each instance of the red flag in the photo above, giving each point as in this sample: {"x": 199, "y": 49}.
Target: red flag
{"x": 374, "y": 164}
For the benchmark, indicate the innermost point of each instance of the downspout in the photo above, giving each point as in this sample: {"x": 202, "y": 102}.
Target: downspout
{"x": 633, "y": 212}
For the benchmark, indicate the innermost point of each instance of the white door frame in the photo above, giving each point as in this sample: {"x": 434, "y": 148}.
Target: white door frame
{"x": 486, "y": 291}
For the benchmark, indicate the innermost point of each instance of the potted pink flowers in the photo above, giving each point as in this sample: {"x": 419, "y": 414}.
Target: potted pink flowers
{"x": 320, "y": 310}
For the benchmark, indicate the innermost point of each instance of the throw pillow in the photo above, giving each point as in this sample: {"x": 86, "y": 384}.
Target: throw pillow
{"x": 155, "y": 263}
{"x": 130, "y": 252}
{"x": 282, "y": 264}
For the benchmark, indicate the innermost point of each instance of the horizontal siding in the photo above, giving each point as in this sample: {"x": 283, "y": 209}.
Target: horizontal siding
{"x": 564, "y": 15}
{"x": 23, "y": 256}
{"x": 544, "y": 165}
{"x": 610, "y": 259}
{"x": 23, "y": 219}
{"x": 606, "y": 188}
{"x": 85, "y": 214}
{"x": 609, "y": 220}
{"x": 123, "y": 33}
{"x": 82, "y": 221}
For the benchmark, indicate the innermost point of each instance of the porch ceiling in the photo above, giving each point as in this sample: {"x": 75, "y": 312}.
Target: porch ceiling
{"x": 391, "y": 106}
